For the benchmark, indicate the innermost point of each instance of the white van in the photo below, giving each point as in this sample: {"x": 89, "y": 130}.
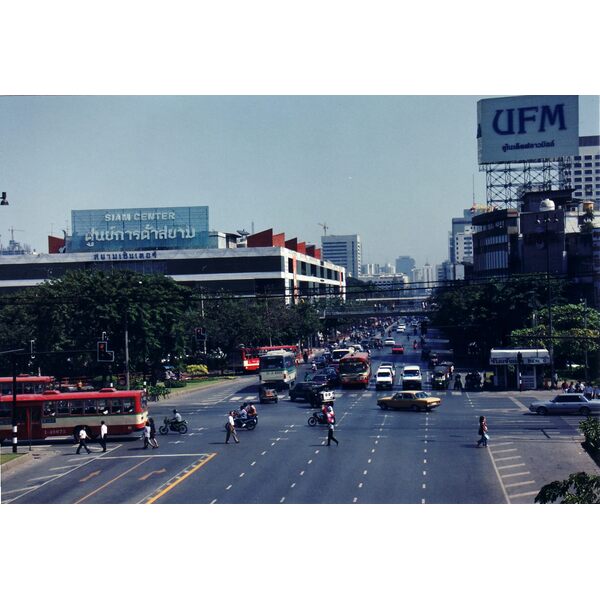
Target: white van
{"x": 412, "y": 378}
{"x": 384, "y": 379}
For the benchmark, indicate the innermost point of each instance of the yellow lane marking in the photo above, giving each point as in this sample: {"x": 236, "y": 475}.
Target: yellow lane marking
{"x": 112, "y": 480}
{"x": 90, "y": 476}
{"x": 160, "y": 472}
{"x": 178, "y": 480}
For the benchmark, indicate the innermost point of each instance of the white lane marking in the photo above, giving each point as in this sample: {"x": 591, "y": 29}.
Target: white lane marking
{"x": 364, "y": 472}
{"x": 512, "y": 485}
{"x": 310, "y": 461}
{"x": 511, "y": 466}
{"x": 301, "y": 473}
{"x": 242, "y": 474}
{"x": 263, "y": 453}
{"x": 44, "y": 477}
{"x": 503, "y": 443}
{"x": 25, "y": 489}
{"x": 508, "y": 458}
{"x": 424, "y": 473}
{"x": 272, "y": 443}
{"x": 424, "y": 485}
{"x": 214, "y": 501}
{"x": 252, "y": 463}
{"x": 504, "y": 451}
{"x": 229, "y": 487}
{"x": 499, "y": 476}
{"x": 235, "y": 398}
{"x": 60, "y": 468}
{"x": 516, "y": 474}
{"x": 373, "y": 450}
{"x": 369, "y": 461}
{"x": 422, "y": 500}
{"x": 316, "y": 452}
{"x": 293, "y": 485}
{"x": 282, "y": 500}
{"x": 523, "y": 494}
{"x": 424, "y": 461}
{"x": 360, "y": 485}
{"x": 355, "y": 499}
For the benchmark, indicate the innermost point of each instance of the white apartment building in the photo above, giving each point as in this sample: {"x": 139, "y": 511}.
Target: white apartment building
{"x": 584, "y": 176}
{"x": 344, "y": 251}
{"x": 426, "y": 276}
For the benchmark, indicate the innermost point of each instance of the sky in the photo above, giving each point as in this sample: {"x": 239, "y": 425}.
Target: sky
{"x": 394, "y": 169}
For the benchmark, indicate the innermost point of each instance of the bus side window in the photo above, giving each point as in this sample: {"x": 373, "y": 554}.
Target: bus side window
{"x": 62, "y": 407}
{"x": 116, "y": 407}
{"x": 5, "y": 410}
{"x": 102, "y": 405}
{"x": 128, "y": 405}
{"x": 90, "y": 407}
{"x": 76, "y": 407}
{"x": 49, "y": 409}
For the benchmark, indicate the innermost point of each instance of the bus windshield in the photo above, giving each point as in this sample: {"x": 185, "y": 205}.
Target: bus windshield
{"x": 271, "y": 362}
{"x": 352, "y": 366}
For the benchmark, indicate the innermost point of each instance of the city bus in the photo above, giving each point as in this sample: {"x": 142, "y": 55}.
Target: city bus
{"x": 26, "y": 384}
{"x": 355, "y": 369}
{"x": 53, "y": 413}
{"x": 249, "y": 359}
{"x": 278, "y": 367}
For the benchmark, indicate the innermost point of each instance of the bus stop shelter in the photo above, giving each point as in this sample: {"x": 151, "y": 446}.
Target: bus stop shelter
{"x": 519, "y": 368}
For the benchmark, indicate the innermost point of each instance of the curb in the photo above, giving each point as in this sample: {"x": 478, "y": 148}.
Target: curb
{"x": 17, "y": 462}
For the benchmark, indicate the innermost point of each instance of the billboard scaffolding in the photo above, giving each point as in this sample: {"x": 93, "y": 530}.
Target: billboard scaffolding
{"x": 507, "y": 182}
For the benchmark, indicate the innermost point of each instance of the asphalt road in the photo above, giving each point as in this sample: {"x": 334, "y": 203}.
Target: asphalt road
{"x": 383, "y": 456}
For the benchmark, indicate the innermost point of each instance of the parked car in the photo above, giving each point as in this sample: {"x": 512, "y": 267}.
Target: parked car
{"x": 389, "y": 342}
{"x": 384, "y": 379}
{"x": 397, "y": 349}
{"x": 413, "y": 400}
{"x": 566, "y": 404}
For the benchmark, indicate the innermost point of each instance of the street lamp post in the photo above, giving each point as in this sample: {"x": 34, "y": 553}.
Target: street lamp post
{"x": 546, "y": 220}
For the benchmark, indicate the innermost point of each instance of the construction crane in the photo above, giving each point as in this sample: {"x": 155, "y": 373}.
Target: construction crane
{"x": 12, "y": 233}
{"x": 325, "y": 228}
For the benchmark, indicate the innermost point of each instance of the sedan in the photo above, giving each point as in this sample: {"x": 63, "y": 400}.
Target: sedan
{"x": 566, "y": 404}
{"x": 397, "y": 349}
{"x": 307, "y": 391}
{"x": 388, "y": 365}
{"x": 389, "y": 342}
{"x": 414, "y": 400}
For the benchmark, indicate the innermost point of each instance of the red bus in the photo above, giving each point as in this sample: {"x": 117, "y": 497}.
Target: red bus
{"x": 26, "y": 384}
{"x": 355, "y": 369}
{"x": 250, "y": 357}
{"x": 53, "y": 413}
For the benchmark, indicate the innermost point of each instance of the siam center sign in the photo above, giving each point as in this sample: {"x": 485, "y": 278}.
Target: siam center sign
{"x": 128, "y": 229}
{"x": 525, "y": 128}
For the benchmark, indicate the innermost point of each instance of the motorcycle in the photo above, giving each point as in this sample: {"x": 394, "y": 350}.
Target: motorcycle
{"x": 248, "y": 423}
{"x": 172, "y": 425}
{"x": 318, "y": 418}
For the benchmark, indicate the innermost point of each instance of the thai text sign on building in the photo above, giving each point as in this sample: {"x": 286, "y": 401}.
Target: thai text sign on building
{"x": 523, "y": 128}
{"x": 127, "y": 229}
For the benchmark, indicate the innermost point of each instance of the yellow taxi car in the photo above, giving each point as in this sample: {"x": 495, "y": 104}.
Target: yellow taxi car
{"x": 413, "y": 399}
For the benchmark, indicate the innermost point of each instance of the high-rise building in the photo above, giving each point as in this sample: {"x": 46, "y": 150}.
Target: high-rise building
{"x": 584, "y": 176}
{"x": 405, "y": 264}
{"x": 460, "y": 239}
{"x": 426, "y": 276}
{"x": 343, "y": 250}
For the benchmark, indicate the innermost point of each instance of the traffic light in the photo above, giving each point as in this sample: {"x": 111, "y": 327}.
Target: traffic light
{"x": 103, "y": 353}
{"x": 200, "y": 334}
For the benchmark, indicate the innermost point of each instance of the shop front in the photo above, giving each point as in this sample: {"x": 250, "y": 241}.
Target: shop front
{"x": 519, "y": 368}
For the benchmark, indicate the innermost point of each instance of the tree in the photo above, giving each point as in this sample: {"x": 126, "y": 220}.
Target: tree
{"x": 578, "y": 488}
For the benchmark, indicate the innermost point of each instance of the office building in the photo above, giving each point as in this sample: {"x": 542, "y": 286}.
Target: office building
{"x": 584, "y": 175}
{"x": 405, "y": 264}
{"x": 343, "y": 250}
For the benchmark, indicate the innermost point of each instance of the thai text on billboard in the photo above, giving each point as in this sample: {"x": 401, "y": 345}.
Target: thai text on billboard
{"x": 524, "y": 128}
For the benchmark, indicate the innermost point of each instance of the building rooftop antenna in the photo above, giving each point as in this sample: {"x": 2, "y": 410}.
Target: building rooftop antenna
{"x": 325, "y": 228}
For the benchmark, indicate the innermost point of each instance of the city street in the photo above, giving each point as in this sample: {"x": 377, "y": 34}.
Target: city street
{"x": 383, "y": 456}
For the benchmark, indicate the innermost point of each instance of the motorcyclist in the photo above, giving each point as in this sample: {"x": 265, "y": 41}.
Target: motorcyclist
{"x": 177, "y": 418}
{"x": 313, "y": 366}
{"x": 251, "y": 411}
{"x": 243, "y": 413}
{"x": 458, "y": 382}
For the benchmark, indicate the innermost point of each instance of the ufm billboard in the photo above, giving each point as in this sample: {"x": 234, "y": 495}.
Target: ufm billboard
{"x": 139, "y": 229}
{"x": 522, "y": 128}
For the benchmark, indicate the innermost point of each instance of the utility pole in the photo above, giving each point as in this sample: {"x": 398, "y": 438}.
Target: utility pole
{"x": 587, "y": 378}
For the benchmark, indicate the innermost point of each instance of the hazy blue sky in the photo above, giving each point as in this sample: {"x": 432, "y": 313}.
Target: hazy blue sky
{"x": 394, "y": 169}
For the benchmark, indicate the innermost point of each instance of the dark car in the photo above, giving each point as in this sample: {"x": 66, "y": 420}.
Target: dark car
{"x": 321, "y": 362}
{"x": 307, "y": 391}
{"x": 328, "y": 376}
{"x": 267, "y": 394}
{"x": 433, "y": 360}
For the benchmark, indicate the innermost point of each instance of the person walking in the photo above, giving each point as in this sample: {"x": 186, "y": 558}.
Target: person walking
{"x": 146, "y": 435}
{"x": 152, "y": 439}
{"x": 230, "y": 426}
{"x": 483, "y": 432}
{"x": 103, "y": 434}
{"x": 83, "y": 436}
{"x": 331, "y": 427}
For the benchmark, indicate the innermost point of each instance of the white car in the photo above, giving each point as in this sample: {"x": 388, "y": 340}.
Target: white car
{"x": 384, "y": 379}
{"x": 390, "y": 366}
{"x": 411, "y": 378}
{"x": 401, "y": 328}
{"x": 389, "y": 342}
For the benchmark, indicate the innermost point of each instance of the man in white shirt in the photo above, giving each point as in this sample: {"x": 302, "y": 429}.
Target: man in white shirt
{"x": 176, "y": 416}
{"x": 83, "y": 436}
{"x": 103, "y": 434}
{"x": 231, "y": 429}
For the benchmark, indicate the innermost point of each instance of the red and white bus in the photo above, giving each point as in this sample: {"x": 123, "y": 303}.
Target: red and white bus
{"x": 250, "y": 357}
{"x": 26, "y": 384}
{"x": 53, "y": 413}
{"x": 355, "y": 369}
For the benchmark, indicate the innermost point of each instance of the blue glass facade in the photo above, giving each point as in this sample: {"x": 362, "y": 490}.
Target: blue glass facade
{"x": 139, "y": 229}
